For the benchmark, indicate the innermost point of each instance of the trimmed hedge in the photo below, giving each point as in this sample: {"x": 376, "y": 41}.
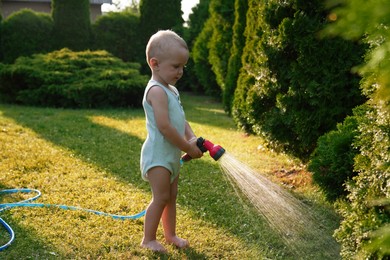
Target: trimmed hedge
{"x": 364, "y": 230}
{"x": 25, "y": 33}
{"x": 294, "y": 87}
{"x": 118, "y": 33}
{"x": 72, "y": 24}
{"x": 364, "y": 212}
{"x": 238, "y": 43}
{"x": 73, "y": 80}
{"x": 332, "y": 162}
{"x": 1, "y": 33}
{"x": 202, "y": 66}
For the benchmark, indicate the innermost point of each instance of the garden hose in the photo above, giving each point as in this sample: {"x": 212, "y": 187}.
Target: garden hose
{"x": 27, "y": 203}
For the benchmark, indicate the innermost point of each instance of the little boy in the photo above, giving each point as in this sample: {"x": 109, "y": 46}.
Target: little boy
{"x": 169, "y": 134}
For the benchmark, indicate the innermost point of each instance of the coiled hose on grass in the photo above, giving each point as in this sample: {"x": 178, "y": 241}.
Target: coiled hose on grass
{"x": 27, "y": 203}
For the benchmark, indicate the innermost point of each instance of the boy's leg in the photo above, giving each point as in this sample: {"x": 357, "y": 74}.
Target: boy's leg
{"x": 159, "y": 179}
{"x": 169, "y": 218}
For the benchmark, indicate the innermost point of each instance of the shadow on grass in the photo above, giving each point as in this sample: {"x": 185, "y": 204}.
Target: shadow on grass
{"x": 203, "y": 190}
{"x": 30, "y": 244}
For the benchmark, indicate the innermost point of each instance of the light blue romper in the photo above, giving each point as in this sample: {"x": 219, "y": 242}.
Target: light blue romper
{"x": 156, "y": 150}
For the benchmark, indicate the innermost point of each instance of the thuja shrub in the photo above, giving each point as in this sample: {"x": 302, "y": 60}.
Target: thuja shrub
{"x": 25, "y": 33}
{"x": 294, "y": 86}
{"x": 72, "y": 24}
{"x": 332, "y": 162}
{"x": 364, "y": 230}
{"x": 73, "y": 79}
{"x": 202, "y": 66}
{"x": 120, "y": 28}
{"x": 363, "y": 212}
{"x": 1, "y": 32}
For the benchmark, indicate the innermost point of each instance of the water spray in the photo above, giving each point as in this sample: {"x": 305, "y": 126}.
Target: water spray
{"x": 215, "y": 151}
{"x": 287, "y": 215}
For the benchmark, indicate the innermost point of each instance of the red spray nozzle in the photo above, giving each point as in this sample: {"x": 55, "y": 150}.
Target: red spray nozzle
{"x": 216, "y": 151}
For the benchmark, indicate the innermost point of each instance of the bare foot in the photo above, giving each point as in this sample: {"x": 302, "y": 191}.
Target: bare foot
{"x": 154, "y": 245}
{"x": 177, "y": 241}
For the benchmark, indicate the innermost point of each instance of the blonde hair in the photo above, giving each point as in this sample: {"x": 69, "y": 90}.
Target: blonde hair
{"x": 161, "y": 42}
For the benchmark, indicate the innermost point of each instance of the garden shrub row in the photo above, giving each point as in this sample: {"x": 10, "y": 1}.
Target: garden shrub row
{"x": 332, "y": 162}
{"x": 295, "y": 86}
{"x": 27, "y": 32}
{"x": 364, "y": 231}
{"x": 63, "y": 78}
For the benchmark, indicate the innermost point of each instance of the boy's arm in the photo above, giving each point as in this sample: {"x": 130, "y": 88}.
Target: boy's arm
{"x": 158, "y": 99}
{"x": 189, "y": 134}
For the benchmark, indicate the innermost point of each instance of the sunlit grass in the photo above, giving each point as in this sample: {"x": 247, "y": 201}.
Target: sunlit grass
{"x": 90, "y": 159}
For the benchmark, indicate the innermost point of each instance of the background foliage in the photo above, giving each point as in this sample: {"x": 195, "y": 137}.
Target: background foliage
{"x": 72, "y": 25}
{"x": 234, "y": 63}
{"x": 159, "y": 15}
{"x": 366, "y": 213}
{"x": 118, "y": 33}
{"x": 294, "y": 87}
{"x": 202, "y": 66}
{"x": 73, "y": 79}
{"x": 332, "y": 161}
{"x": 25, "y": 33}
{"x": 220, "y": 43}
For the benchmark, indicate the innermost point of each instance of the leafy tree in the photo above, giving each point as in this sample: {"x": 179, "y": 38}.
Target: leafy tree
{"x": 294, "y": 86}
{"x": 24, "y": 33}
{"x": 72, "y": 25}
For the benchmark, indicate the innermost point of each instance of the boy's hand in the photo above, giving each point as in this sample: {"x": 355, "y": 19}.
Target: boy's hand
{"x": 194, "y": 150}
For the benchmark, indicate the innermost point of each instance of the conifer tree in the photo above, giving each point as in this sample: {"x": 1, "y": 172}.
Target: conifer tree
{"x": 295, "y": 86}
{"x": 238, "y": 43}
{"x": 72, "y": 24}
{"x": 222, "y": 16}
{"x": 160, "y": 15}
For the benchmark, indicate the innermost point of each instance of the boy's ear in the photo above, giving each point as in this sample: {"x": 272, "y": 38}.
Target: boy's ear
{"x": 153, "y": 63}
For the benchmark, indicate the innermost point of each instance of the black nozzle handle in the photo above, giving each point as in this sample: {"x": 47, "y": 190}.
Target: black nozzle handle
{"x": 199, "y": 143}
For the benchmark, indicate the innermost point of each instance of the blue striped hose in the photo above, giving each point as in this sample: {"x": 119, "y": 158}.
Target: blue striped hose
{"x": 27, "y": 203}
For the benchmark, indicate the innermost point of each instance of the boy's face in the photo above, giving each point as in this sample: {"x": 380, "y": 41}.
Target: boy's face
{"x": 169, "y": 68}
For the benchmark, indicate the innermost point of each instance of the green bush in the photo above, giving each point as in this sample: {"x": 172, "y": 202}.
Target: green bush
{"x": 366, "y": 213}
{"x": 220, "y": 42}
{"x": 72, "y": 24}
{"x": 202, "y": 66}
{"x": 294, "y": 87}
{"x": 1, "y": 32}
{"x": 24, "y": 33}
{"x": 196, "y": 21}
{"x": 159, "y": 15}
{"x": 238, "y": 43}
{"x": 117, "y": 33}
{"x": 360, "y": 217}
{"x": 73, "y": 79}
{"x": 333, "y": 159}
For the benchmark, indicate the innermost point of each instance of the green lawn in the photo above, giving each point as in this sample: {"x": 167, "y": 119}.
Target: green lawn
{"x": 90, "y": 159}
